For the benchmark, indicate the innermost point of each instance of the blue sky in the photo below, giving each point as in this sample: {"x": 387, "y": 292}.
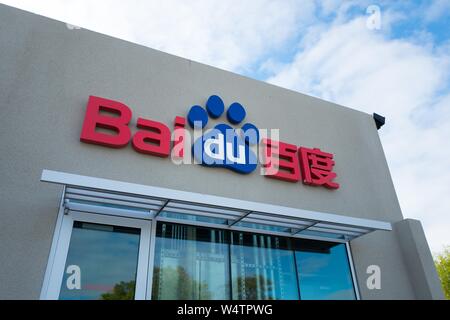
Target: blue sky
{"x": 321, "y": 48}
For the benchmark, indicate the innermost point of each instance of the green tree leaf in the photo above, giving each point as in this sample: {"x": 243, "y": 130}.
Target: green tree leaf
{"x": 442, "y": 262}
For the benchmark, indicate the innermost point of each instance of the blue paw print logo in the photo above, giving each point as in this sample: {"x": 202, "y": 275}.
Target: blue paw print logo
{"x": 223, "y": 145}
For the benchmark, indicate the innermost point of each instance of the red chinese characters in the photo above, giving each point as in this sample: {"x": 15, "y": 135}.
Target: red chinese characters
{"x": 317, "y": 167}
{"x": 285, "y": 162}
{"x": 280, "y": 160}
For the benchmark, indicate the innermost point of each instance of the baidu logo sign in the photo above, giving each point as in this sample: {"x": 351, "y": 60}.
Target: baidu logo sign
{"x": 224, "y": 146}
{"x": 236, "y": 145}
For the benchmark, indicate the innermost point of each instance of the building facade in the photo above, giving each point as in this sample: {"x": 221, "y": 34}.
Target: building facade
{"x": 95, "y": 203}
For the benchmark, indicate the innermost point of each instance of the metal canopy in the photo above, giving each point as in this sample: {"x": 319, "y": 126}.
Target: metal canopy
{"x": 104, "y": 196}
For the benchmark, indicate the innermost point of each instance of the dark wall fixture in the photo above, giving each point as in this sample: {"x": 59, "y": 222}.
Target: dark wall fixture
{"x": 379, "y": 120}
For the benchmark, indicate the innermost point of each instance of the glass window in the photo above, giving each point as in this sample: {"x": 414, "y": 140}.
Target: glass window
{"x": 190, "y": 263}
{"x": 262, "y": 267}
{"x": 266, "y": 227}
{"x": 323, "y": 270}
{"x": 322, "y": 234}
{"x": 101, "y": 263}
{"x": 192, "y": 217}
{"x": 200, "y": 263}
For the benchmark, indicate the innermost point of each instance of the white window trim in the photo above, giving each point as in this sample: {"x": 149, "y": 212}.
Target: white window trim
{"x": 91, "y": 194}
{"x": 60, "y": 246}
{"x": 51, "y": 258}
{"x": 352, "y": 271}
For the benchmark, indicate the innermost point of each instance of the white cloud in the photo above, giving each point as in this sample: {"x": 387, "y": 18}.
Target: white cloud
{"x": 230, "y": 34}
{"x": 353, "y": 66}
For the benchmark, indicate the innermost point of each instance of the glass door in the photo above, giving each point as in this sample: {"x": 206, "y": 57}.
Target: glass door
{"x": 100, "y": 257}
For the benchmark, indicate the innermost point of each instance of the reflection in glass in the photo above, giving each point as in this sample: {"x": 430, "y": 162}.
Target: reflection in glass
{"x": 261, "y": 226}
{"x": 323, "y": 270}
{"x": 192, "y": 217}
{"x": 190, "y": 263}
{"x": 321, "y": 234}
{"x": 107, "y": 260}
{"x": 262, "y": 267}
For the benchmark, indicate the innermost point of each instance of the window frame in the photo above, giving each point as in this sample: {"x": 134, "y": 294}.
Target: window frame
{"x": 60, "y": 248}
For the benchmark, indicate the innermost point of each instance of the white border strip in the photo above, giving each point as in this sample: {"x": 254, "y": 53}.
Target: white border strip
{"x": 51, "y": 258}
{"x": 150, "y": 191}
{"x": 352, "y": 270}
